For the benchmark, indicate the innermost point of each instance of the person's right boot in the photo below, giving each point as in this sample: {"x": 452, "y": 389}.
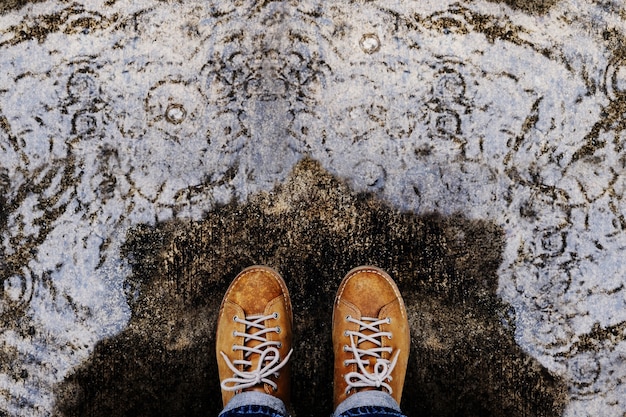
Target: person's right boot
{"x": 371, "y": 336}
{"x": 253, "y": 340}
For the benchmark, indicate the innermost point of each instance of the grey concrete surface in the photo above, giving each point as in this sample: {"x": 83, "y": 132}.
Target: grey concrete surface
{"x": 9, "y": 5}
{"x": 150, "y": 149}
{"x": 530, "y": 6}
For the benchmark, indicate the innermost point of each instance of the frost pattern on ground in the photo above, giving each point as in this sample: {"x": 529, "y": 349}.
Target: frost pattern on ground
{"x": 122, "y": 112}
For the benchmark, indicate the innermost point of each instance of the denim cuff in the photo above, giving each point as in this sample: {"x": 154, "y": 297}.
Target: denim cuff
{"x": 259, "y": 400}
{"x": 372, "y": 398}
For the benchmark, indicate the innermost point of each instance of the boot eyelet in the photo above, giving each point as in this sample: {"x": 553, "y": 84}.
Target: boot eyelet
{"x": 275, "y": 315}
{"x": 278, "y": 329}
{"x": 280, "y": 345}
{"x": 346, "y": 333}
{"x": 345, "y": 363}
{"x": 235, "y": 333}
{"x": 388, "y": 320}
{"x": 348, "y": 317}
{"x": 235, "y": 318}
{"x": 345, "y": 348}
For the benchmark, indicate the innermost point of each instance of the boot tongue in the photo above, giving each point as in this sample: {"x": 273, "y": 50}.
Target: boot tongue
{"x": 255, "y": 357}
{"x": 366, "y": 345}
{"x": 369, "y": 362}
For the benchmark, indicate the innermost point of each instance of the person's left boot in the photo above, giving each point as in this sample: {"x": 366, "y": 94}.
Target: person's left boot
{"x": 253, "y": 341}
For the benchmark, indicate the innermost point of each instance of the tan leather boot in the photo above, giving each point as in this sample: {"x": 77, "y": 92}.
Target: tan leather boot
{"x": 371, "y": 337}
{"x": 253, "y": 343}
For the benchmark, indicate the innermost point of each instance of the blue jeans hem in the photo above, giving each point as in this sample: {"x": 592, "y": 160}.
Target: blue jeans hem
{"x": 371, "y": 411}
{"x": 252, "y": 411}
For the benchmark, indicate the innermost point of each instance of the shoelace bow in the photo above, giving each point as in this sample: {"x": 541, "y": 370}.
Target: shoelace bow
{"x": 269, "y": 362}
{"x": 382, "y": 367}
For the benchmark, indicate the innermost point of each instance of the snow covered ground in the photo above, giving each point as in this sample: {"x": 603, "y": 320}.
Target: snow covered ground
{"x": 120, "y": 112}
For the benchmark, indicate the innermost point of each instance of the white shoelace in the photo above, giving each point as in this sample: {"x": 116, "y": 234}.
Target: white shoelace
{"x": 382, "y": 367}
{"x": 269, "y": 363}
